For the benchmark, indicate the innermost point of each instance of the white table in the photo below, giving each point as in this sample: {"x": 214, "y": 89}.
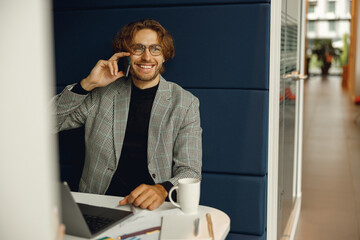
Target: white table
{"x": 143, "y": 219}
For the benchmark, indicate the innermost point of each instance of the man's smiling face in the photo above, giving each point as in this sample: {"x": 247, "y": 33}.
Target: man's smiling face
{"x": 145, "y": 67}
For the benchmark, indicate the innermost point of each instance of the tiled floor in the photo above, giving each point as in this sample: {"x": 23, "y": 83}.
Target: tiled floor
{"x": 331, "y": 163}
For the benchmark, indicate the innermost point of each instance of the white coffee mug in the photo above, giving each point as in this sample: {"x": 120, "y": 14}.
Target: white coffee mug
{"x": 188, "y": 195}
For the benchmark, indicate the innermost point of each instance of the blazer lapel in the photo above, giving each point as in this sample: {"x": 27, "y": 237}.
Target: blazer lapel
{"x": 121, "y": 111}
{"x": 158, "y": 112}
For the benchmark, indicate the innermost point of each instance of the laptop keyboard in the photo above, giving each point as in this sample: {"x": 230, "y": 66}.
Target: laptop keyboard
{"x": 96, "y": 223}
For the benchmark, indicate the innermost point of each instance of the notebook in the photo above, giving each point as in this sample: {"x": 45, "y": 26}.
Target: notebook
{"x": 85, "y": 220}
{"x": 180, "y": 227}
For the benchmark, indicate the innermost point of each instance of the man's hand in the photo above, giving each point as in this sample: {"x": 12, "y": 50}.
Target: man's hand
{"x": 104, "y": 72}
{"x": 146, "y": 196}
{"x": 61, "y": 232}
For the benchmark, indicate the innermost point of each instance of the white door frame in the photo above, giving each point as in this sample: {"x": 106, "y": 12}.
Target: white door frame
{"x": 273, "y": 132}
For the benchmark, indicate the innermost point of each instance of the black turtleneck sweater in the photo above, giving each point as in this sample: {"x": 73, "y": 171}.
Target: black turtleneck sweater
{"x": 132, "y": 169}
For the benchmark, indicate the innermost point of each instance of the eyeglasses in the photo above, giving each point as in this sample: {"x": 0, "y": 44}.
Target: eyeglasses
{"x": 139, "y": 49}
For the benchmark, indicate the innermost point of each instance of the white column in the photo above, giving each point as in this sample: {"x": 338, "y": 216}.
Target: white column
{"x": 27, "y": 153}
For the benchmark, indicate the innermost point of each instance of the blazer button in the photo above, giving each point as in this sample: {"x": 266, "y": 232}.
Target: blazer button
{"x": 154, "y": 175}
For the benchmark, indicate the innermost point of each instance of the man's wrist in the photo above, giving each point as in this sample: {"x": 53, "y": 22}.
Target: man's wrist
{"x": 167, "y": 185}
{"x": 86, "y": 85}
{"x": 162, "y": 190}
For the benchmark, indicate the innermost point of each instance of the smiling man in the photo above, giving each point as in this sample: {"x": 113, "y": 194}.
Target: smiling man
{"x": 142, "y": 133}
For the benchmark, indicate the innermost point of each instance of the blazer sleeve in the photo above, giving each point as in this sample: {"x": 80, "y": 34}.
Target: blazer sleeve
{"x": 187, "y": 155}
{"x": 71, "y": 109}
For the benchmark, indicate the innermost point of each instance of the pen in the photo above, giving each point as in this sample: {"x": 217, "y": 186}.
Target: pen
{"x": 197, "y": 220}
{"x": 210, "y": 226}
{"x": 145, "y": 231}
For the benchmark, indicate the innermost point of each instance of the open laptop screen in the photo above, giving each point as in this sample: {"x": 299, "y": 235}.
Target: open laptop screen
{"x": 87, "y": 220}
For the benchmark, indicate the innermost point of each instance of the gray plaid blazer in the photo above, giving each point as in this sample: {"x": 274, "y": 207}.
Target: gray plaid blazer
{"x": 174, "y": 141}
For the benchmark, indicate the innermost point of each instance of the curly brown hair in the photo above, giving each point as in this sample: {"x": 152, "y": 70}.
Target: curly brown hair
{"x": 124, "y": 37}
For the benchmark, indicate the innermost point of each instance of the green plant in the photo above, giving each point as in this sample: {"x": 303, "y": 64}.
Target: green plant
{"x": 325, "y": 53}
{"x": 314, "y": 62}
{"x": 344, "y": 57}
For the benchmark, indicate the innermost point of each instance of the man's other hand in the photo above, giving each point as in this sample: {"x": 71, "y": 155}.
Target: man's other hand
{"x": 146, "y": 196}
{"x": 61, "y": 232}
{"x": 104, "y": 72}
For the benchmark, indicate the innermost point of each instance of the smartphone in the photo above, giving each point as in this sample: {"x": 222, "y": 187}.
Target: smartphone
{"x": 124, "y": 65}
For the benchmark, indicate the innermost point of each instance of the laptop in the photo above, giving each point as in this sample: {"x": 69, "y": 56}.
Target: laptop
{"x": 87, "y": 221}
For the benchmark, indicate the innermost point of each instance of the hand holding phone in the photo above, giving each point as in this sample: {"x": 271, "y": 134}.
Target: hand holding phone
{"x": 97, "y": 78}
{"x": 124, "y": 65}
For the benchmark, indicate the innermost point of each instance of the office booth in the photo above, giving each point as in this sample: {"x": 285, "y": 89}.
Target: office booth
{"x": 239, "y": 58}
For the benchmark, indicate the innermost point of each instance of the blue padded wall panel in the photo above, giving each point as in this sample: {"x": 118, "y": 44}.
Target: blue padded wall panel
{"x": 242, "y": 198}
{"x": 240, "y": 117}
{"x": 222, "y": 56}
{"x": 235, "y": 236}
{"x": 216, "y": 46}
{"x": 71, "y": 4}
{"x": 235, "y": 127}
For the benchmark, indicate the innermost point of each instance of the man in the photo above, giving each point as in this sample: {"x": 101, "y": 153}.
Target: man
{"x": 142, "y": 133}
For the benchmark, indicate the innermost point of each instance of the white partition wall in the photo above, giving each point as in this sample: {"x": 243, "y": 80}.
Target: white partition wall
{"x": 285, "y": 118}
{"x": 273, "y": 142}
{"x": 27, "y": 153}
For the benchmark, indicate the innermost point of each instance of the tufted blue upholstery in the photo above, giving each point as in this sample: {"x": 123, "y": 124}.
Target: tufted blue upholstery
{"x": 211, "y": 43}
{"x": 234, "y": 142}
{"x": 241, "y": 197}
{"x": 95, "y": 4}
{"x": 222, "y": 56}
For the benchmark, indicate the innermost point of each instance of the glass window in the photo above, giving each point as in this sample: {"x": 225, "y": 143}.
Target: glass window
{"x": 332, "y": 6}
{"x": 331, "y": 25}
{"x": 311, "y": 27}
{"x": 312, "y": 7}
